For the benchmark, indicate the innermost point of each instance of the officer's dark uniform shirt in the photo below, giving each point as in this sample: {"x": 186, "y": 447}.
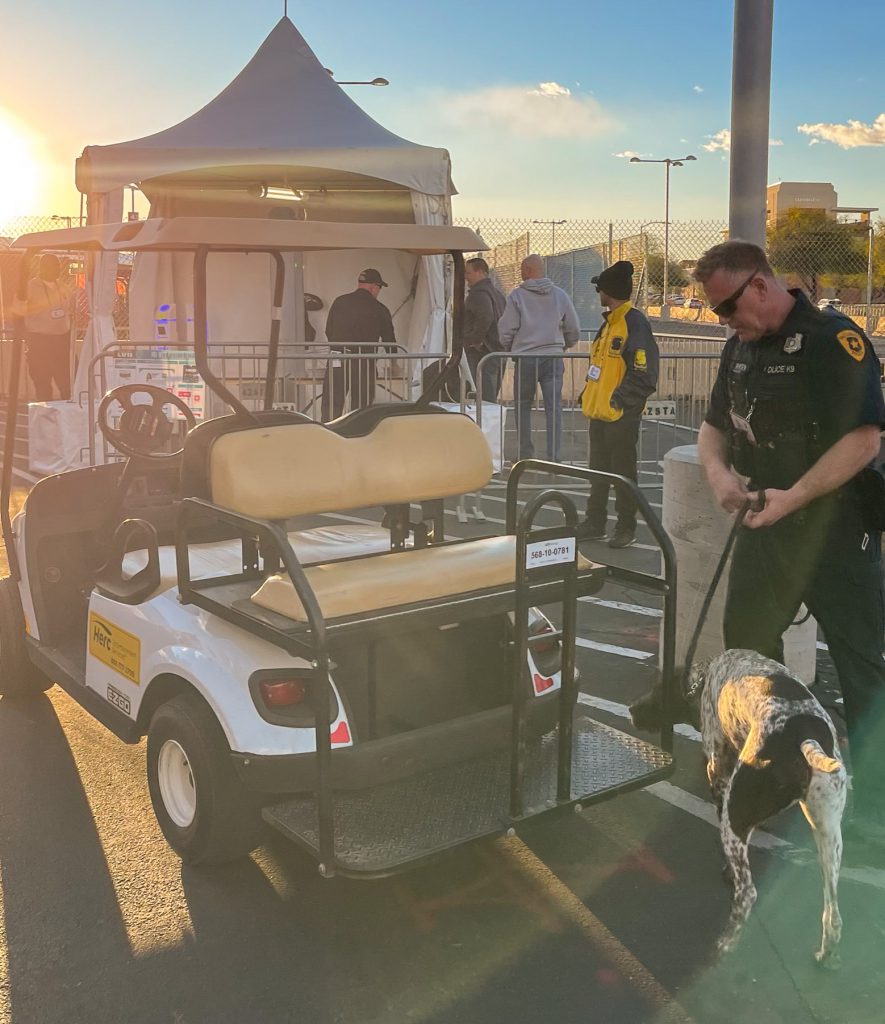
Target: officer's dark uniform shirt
{"x": 358, "y": 316}
{"x": 783, "y": 400}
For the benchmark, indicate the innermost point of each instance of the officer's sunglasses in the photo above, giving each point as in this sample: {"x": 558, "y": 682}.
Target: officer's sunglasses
{"x": 726, "y": 307}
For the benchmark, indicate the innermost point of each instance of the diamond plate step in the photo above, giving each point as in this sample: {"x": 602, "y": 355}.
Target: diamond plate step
{"x": 392, "y": 826}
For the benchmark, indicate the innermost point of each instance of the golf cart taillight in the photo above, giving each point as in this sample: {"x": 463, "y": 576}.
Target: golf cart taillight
{"x": 282, "y": 693}
{"x": 541, "y": 646}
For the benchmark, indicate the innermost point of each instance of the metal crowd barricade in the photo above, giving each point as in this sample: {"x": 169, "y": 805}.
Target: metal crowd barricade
{"x": 672, "y": 417}
{"x": 310, "y": 379}
{"x": 242, "y": 367}
{"x": 328, "y": 383}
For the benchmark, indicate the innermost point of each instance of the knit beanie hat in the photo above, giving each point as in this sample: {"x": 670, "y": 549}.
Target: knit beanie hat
{"x": 616, "y": 280}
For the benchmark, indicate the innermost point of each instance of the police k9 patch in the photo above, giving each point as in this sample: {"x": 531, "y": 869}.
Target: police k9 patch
{"x": 853, "y": 344}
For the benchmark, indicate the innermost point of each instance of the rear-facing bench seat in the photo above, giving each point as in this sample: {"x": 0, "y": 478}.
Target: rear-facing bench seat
{"x": 345, "y": 589}
{"x": 279, "y": 472}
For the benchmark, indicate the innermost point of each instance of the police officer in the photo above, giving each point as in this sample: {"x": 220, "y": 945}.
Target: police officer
{"x": 357, "y": 323}
{"x": 795, "y": 414}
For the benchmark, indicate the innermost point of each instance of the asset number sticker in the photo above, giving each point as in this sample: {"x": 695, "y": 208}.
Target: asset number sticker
{"x": 116, "y": 648}
{"x": 550, "y": 552}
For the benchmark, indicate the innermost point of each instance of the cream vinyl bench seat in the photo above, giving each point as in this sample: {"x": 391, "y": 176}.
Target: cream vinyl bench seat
{"x": 279, "y": 472}
{"x": 345, "y": 589}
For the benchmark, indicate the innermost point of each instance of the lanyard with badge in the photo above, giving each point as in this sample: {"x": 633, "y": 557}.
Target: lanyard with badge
{"x": 57, "y": 312}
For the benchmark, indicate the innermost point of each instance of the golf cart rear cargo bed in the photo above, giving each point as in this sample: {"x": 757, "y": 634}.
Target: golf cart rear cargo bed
{"x": 400, "y": 824}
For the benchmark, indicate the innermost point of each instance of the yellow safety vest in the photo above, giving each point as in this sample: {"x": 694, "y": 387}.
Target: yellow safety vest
{"x": 607, "y": 367}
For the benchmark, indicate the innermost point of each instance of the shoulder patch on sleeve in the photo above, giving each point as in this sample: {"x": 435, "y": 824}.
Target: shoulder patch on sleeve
{"x": 853, "y": 344}
{"x": 639, "y": 360}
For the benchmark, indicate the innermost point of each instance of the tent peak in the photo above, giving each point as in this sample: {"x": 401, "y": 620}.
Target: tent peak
{"x": 282, "y": 109}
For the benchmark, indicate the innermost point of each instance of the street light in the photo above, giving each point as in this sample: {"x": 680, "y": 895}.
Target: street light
{"x": 643, "y": 246}
{"x": 869, "y": 211}
{"x": 553, "y": 225}
{"x": 668, "y": 162}
{"x": 375, "y": 81}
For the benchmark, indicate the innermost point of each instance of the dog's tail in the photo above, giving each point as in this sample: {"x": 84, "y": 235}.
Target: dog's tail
{"x": 817, "y": 760}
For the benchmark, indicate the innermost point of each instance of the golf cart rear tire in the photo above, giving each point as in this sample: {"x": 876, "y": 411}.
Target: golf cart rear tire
{"x": 226, "y": 821}
{"x": 19, "y": 677}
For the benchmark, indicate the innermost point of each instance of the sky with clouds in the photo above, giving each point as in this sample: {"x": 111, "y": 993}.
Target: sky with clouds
{"x": 540, "y": 106}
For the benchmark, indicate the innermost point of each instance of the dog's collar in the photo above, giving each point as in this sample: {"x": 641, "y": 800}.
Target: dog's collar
{"x": 692, "y": 693}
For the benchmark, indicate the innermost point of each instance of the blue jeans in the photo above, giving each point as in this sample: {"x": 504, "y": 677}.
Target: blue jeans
{"x": 529, "y": 373}
{"x": 490, "y": 384}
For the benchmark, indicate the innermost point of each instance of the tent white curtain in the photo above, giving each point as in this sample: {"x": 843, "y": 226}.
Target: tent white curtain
{"x": 428, "y": 330}
{"x": 101, "y": 286}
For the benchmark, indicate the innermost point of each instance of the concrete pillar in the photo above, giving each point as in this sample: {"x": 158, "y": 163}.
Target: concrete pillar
{"x": 699, "y": 530}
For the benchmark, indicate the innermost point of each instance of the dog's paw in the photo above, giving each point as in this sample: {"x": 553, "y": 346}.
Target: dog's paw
{"x": 830, "y": 961}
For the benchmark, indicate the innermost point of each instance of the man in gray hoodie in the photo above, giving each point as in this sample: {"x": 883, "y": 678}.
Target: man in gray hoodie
{"x": 538, "y": 318}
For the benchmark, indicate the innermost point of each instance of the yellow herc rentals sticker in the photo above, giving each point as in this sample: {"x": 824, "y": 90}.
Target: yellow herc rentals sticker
{"x": 852, "y": 342}
{"x": 118, "y": 649}
{"x": 639, "y": 360}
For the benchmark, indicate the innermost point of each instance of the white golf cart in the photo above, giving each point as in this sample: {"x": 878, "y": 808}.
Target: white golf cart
{"x": 378, "y": 694}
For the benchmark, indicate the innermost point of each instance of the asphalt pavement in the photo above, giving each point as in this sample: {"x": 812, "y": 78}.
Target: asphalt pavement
{"x": 608, "y": 916}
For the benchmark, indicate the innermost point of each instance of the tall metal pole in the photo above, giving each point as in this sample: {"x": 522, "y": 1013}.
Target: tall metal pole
{"x": 750, "y": 101}
{"x": 645, "y": 272}
{"x": 870, "y": 324}
{"x": 665, "y": 298}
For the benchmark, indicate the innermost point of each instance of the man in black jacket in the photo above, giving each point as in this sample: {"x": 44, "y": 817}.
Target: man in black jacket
{"x": 482, "y": 310}
{"x": 357, "y": 322}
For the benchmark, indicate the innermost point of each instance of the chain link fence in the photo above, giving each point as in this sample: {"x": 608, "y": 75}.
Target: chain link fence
{"x": 72, "y": 266}
{"x": 829, "y": 260}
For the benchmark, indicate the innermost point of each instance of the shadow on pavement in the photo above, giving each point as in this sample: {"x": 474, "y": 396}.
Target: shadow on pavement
{"x": 64, "y": 933}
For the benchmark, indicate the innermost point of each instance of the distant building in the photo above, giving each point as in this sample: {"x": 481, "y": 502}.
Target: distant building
{"x": 800, "y": 195}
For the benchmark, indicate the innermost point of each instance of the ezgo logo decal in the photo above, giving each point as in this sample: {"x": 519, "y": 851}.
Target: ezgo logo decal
{"x": 116, "y": 648}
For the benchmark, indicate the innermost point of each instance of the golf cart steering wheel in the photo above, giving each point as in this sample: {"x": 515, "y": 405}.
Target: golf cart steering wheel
{"x": 143, "y": 428}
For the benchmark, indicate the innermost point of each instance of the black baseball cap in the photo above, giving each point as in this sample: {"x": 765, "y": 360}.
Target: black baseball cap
{"x": 371, "y": 276}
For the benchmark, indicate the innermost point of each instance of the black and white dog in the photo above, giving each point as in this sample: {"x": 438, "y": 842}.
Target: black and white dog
{"x": 768, "y": 744}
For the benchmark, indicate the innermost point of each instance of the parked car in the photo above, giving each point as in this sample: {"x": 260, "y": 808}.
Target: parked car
{"x": 676, "y": 300}
{"x": 694, "y": 303}
{"x": 834, "y": 303}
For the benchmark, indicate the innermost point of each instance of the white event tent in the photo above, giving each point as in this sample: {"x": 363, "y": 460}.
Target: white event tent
{"x": 282, "y": 140}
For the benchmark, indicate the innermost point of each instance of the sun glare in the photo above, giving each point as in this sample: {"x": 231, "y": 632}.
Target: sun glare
{"x": 20, "y": 171}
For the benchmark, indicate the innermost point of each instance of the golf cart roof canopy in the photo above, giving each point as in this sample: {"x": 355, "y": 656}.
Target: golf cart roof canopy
{"x": 240, "y": 234}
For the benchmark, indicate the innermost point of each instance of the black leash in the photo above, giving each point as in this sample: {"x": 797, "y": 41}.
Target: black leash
{"x": 714, "y": 583}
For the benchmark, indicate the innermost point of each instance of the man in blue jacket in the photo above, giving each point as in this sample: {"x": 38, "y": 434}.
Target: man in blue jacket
{"x": 540, "y": 320}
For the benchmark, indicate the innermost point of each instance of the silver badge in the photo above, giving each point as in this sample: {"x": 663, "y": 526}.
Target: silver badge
{"x": 793, "y": 344}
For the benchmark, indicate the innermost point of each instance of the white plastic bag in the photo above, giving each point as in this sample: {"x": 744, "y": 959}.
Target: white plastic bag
{"x": 58, "y": 437}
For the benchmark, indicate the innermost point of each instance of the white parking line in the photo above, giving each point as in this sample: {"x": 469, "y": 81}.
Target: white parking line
{"x": 622, "y": 711}
{"x": 622, "y": 606}
{"x": 449, "y": 512}
{"x": 621, "y": 652}
{"x": 704, "y": 810}
{"x": 545, "y": 487}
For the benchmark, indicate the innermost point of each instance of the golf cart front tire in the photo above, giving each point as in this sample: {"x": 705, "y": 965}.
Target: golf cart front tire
{"x": 19, "y": 677}
{"x": 205, "y": 813}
